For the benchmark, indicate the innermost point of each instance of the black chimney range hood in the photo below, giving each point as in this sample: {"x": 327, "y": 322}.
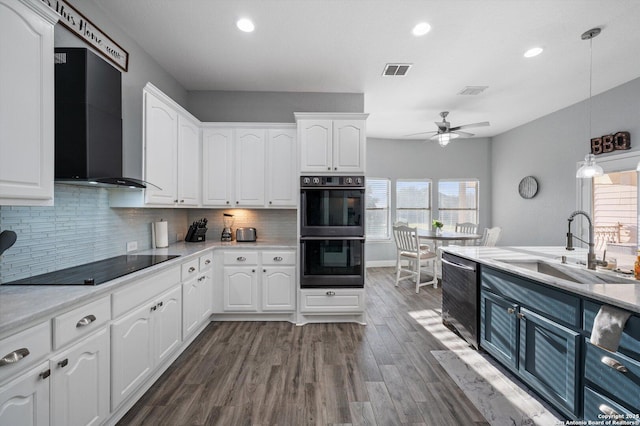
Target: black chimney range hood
{"x": 88, "y": 120}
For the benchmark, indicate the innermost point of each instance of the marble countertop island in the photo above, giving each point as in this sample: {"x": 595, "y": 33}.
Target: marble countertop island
{"x": 618, "y": 290}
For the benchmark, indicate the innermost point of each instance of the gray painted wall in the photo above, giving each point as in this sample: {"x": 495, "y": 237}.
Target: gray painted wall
{"x": 402, "y": 159}
{"x": 549, "y": 148}
{"x": 142, "y": 69}
{"x": 268, "y": 107}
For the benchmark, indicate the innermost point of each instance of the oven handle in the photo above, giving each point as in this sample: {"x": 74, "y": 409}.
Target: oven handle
{"x": 332, "y": 238}
{"x": 458, "y": 265}
{"x": 357, "y": 188}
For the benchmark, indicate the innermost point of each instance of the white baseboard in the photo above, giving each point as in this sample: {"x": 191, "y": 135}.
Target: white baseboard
{"x": 380, "y": 263}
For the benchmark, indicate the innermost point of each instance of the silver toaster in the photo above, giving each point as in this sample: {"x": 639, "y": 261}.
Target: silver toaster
{"x": 246, "y": 234}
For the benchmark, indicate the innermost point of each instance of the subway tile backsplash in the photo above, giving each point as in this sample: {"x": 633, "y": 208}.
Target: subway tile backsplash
{"x": 82, "y": 228}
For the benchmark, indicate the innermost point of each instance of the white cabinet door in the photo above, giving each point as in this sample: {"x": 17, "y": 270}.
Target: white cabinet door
{"x": 160, "y": 146}
{"x": 80, "y": 383}
{"x": 25, "y": 400}
{"x": 206, "y": 298}
{"x": 188, "y": 162}
{"x": 132, "y": 349}
{"x": 191, "y": 295}
{"x": 250, "y": 160}
{"x": 316, "y": 148}
{"x": 167, "y": 324}
{"x": 217, "y": 167}
{"x": 282, "y": 170}
{"x": 26, "y": 104}
{"x": 349, "y": 141}
{"x": 278, "y": 288}
{"x": 240, "y": 288}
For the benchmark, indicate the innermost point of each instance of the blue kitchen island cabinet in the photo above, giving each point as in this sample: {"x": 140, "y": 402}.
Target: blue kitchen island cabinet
{"x": 534, "y": 332}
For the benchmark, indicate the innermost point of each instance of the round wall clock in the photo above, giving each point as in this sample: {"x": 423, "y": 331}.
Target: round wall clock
{"x": 528, "y": 187}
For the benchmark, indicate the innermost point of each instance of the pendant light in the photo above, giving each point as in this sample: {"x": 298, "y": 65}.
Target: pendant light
{"x": 590, "y": 169}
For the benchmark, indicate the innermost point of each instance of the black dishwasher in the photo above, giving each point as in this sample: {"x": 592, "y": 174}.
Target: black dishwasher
{"x": 460, "y": 299}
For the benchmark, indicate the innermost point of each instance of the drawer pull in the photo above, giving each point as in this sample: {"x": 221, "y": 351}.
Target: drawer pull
{"x": 86, "y": 321}
{"x": 331, "y": 293}
{"x": 202, "y": 278}
{"x": 208, "y": 261}
{"x": 241, "y": 258}
{"x": 192, "y": 269}
{"x": 511, "y": 311}
{"x": 154, "y": 307}
{"x": 277, "y": 259}
{"x": 46, "y": 373}
{"x": 612, "y": 363}
{"x": 160, "y": 304}
{"x": 608, "y": 411}
{"x": 13, "y": 357}
{"x": 63, "y": 363}
{"x": 520, "y": 315}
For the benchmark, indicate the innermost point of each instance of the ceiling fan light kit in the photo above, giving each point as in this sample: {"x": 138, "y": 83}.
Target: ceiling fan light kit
{"x": 445, "y": 132}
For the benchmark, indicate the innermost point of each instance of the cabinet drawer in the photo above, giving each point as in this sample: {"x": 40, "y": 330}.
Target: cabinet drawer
{"x": 190, "y": 269}
{"x": 30, "y": 346}
{"x": 206, "y": 261}
{"x": 630, "y": 339}
{"x": 80, "y": 321}
{"x": 138, "y": 292}
{"x": 600, "y": 369}
{"x": 599, "y": 408}
{"x": 554, "y": 304}
{"x": 241, "y": 257}
{"x": 332, "y": 300}
{"x": 278, "y": 257}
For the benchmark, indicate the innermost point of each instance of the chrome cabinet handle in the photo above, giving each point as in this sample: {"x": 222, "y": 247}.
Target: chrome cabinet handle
{"x": 46, "y": 373}
{"x": 612, "y": 363}
{"x": 182, "y": 201}
{"x": 331, "y": 293}
{"x": 192, "y": 269}
{"x": 608, "y": 411}
{"x": 202, "y": 278}
{"x": 86, "y": 321}
{"x": 13, "y": 357}
{"x": 277, "y": 259}
{"x": 241, "y": 258}
{"x": 175, "y": 201}
{"x": 153, "y": 308}
{"x": 63, "y": 363}
{"x": 208, "y": 261}
{"x": 520, "y": 315}
{"x": 511, "y": 311}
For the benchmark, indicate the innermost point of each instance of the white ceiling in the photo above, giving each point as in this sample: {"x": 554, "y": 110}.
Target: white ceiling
{"x": 343, "y": 45}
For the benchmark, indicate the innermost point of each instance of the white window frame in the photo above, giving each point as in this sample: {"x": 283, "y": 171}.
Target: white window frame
{"x": 429, "y": 199}
{"x": 477, "y": 209}
{"x": 388, "y": 224}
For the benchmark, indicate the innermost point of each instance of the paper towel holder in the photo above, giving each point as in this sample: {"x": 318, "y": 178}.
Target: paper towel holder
{"x": 159, "y": 234}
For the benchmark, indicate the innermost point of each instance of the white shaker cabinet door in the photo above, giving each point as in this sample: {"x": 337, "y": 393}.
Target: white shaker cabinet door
{"x": 26, "y": 103}
{"x": 282, "y": 170}
{"x": 160, "y": 151}
{"x": 217, "y": 167}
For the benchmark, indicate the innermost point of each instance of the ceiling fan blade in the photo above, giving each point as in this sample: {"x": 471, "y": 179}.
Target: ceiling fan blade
{"x": 442, "y": 125}
{"x": 418, "y": 134}
{"x": 465, "y": 134}
{"x": 467, "y": 126}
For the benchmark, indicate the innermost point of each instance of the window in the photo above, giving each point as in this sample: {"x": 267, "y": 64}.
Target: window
{"x": 457, "y": 202}
{"x": 413, "y": 202}
{"x": 377, "y": 208}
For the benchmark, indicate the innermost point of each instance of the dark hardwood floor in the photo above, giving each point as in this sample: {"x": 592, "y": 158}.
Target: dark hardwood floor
{"x": 275, "y": 373}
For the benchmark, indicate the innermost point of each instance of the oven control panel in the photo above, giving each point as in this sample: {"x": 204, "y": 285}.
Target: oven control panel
{"x": 341, "y": 181}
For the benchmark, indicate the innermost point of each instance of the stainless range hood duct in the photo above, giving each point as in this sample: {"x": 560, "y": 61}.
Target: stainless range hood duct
{"x": 88, "y": 121}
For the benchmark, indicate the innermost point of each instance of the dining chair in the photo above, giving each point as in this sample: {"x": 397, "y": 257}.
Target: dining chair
{"x": 408, "y": 248}
{"x": 490, "y": 236}
{"x": 467, "y": 227}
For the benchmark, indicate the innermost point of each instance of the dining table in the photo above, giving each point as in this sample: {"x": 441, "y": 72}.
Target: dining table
{"x": 439, "y": 237}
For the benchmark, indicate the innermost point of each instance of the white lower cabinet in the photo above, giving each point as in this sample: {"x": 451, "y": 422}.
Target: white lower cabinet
{"x": 25, "y": 400}
{"x": 197, "y": 293}
{"x": 80, "y": 382}
{"x": 259, "y": 281}
{"x": 336, "y": 301}
{"x": 141, "y": 340}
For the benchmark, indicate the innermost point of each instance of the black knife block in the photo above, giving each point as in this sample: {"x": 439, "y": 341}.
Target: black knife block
{"x": 196, "y": 235}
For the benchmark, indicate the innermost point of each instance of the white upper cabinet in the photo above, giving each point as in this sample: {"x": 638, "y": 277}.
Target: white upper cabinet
{"x": 171, "y": 152}
{"x": 217, "y": 166}
{"x": 26, "y": 127}
{"x": 332, "y": 143}
{"x": 282, "y": 170}
{"x": 250, "y": 160}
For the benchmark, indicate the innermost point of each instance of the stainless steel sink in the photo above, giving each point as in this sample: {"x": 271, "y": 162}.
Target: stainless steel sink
{"x": 576, "y": 274}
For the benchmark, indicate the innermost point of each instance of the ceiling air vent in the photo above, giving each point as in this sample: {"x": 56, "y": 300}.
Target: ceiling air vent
{"x": 473, "y": 90}
{"x": 396, "y": 70}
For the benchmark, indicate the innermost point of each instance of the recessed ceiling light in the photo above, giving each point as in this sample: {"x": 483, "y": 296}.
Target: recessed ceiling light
{"x": 534, "y": 51}
{"x": 421, "y": 29}
{"x": 245, "y": 25}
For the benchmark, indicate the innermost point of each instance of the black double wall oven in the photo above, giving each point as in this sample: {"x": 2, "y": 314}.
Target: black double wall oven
{"x": 332, "y": 237}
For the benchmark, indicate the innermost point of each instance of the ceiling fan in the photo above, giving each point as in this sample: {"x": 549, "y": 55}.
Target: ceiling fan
{"x": 445, "y": 132}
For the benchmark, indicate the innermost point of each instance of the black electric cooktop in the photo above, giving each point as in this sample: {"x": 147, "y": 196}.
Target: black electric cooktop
{"x": 96, "y": 273}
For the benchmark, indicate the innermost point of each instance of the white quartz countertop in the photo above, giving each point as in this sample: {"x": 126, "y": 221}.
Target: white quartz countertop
{"x": 625, "y": 295}
{"x": 24, "y": 305}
